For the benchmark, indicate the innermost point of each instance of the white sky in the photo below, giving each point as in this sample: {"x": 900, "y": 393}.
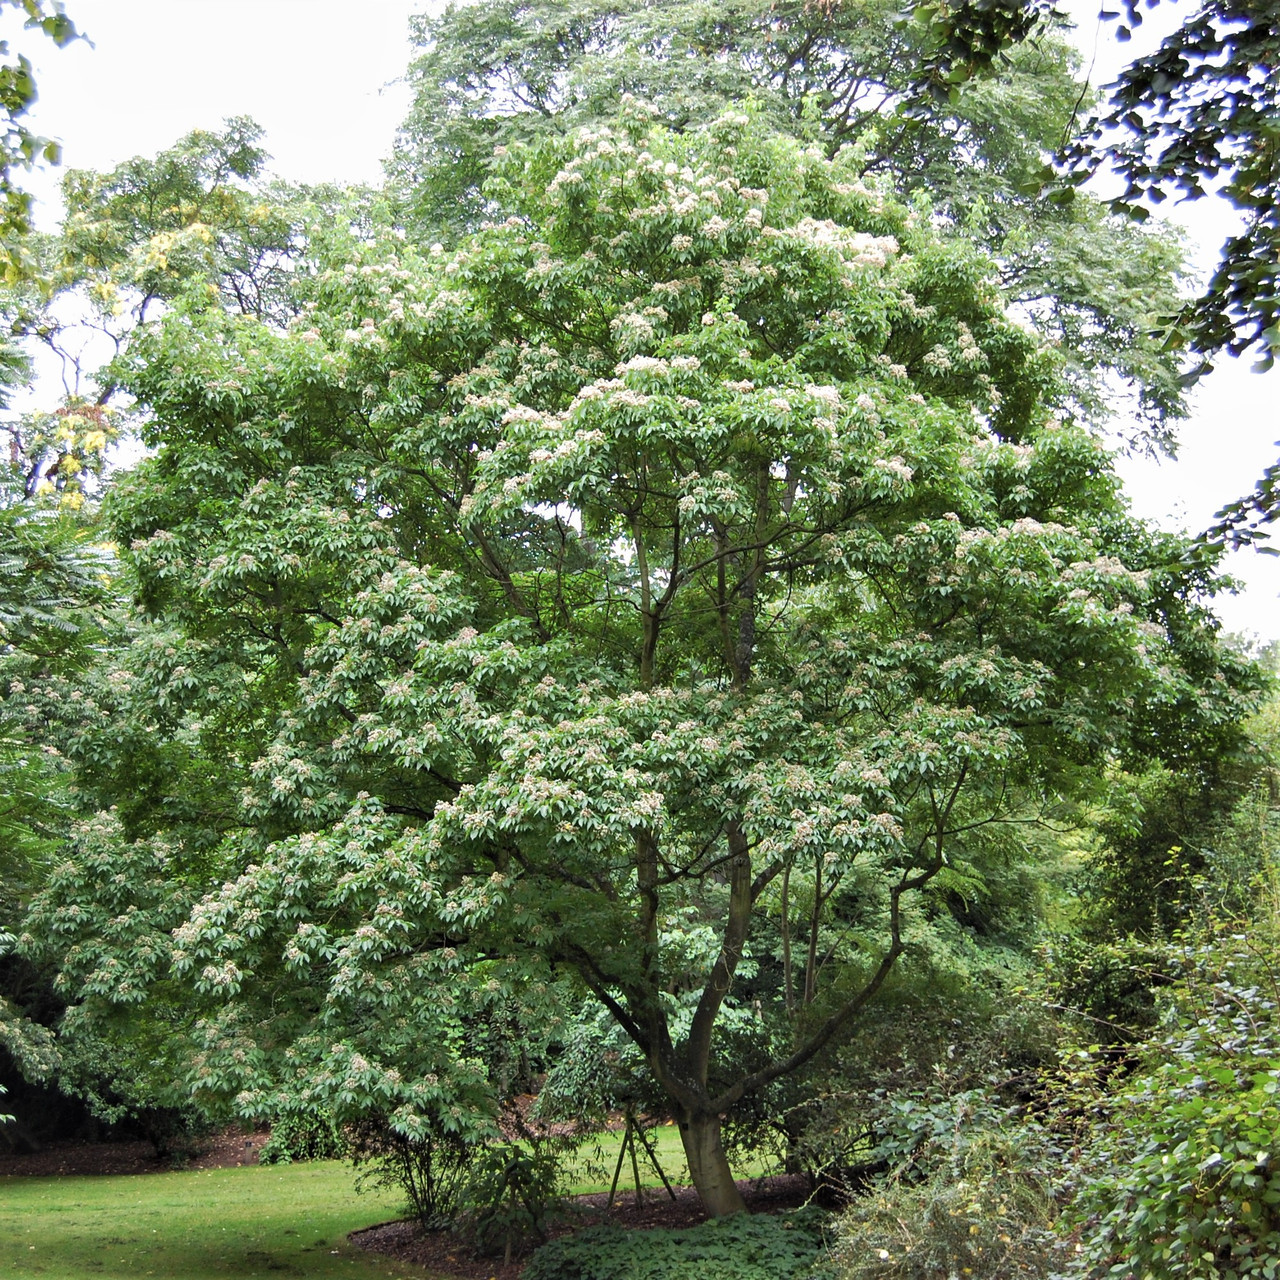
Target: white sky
{"x": 320, "y": 77}
{"x": 317, "y": 75}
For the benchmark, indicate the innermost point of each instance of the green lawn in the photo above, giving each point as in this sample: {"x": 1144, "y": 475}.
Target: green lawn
{"x": 594, "y": 1170}
{"x": 278, "y": 1221}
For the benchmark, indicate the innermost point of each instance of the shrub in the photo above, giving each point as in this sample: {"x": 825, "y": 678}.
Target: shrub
{"x": 967, "y": 1193}
{"x": 512, "y": 1191}
{"x": 992, "y": 1224}
{"x": 743, "y": 1247}
{"x": 938, "y": 1049}
{"x": 431, "y": 1168}
{"x": 1186, "y": 1177}
{"x": 303, "y": 1136}
{"x": 179, "y": 1134}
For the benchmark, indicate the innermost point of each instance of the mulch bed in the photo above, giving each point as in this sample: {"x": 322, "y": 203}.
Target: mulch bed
{"x": 224, "y": 1150}
{"x": 444, "y": 1254}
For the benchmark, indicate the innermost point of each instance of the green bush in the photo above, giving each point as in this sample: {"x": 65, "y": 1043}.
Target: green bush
{"x": 968, "y": 1194}
{"x": 179, "y": 1134}
{"x": 743, "y": 1247}
{"x": 431, "y": 1168}
{"x": 977, "y": 1029}
{"x": 302, "y": 1136}
{"x": 1186, "y": 1178}
{"x": 512, "y": 1190}
{"x": 985, "y": 1227}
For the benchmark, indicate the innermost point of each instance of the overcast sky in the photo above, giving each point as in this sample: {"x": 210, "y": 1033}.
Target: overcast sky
{"x": 322, "y": 78}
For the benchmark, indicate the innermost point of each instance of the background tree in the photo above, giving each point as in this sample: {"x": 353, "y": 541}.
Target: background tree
{"x": 1194, "y": 118}
{"x": 54, "y": 609}
{"x": 202, "y": 214}
{"x": 199, "y": 224}
{"x": 837, "y": 74}
{"x": 694, "y": 543}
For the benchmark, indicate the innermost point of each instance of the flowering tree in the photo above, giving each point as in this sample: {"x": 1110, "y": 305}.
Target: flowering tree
{"x": 492, "y": 71}
{"x": 669, "y": 588}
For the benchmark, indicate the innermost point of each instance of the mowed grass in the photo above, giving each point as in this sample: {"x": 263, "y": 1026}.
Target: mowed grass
{"x": 271, "y": 1222}
{"x": 597, "y": 1159}
{"x": 592, "y": 1169}
{"x": 275, "y": 1222}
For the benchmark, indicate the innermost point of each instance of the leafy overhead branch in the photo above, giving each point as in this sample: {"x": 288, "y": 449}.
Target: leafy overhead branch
{"x": 1198, "y": 117}
{"x": 20, "y": 148}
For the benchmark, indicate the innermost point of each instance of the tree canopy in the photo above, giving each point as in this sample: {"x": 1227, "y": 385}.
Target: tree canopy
{"x": 496, "y": 72}
{"x": 691, "y": 551}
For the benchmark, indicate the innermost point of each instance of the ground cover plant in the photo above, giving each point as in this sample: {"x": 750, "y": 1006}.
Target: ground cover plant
{"x": 740, "y": 1248}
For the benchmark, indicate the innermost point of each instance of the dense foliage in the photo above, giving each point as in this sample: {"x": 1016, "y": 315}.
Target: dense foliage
{"x": 694, "y": 546}
{"x": 638, "y": 612}
{"x": 495, "y": 73}
{"x": 741, "y": 1248}
{"x": 1186, "y": 1180}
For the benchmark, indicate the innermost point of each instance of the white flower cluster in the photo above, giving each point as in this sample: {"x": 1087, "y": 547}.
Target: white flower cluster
{"x": 938, "y": 360}
{"x": 855, "y": 247}
{"x": 970, "y": 352}
{"x": 632, "y": 330}
{"x": 674, "y": 288}
{"x": 1109, "y": 569}
{"x": 827, "y": 394}
{"x": 894, "y": 466}
{"x": 874, "y": 201}
{"x": 894, "y": 370}
{"x": 521, "y": 413}
{"x": 643, "y": 364}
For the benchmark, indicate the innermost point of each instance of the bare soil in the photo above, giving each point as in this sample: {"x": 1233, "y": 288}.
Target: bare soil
{"x": 446, "y": 1255}
{"x": 223, "y": 1150}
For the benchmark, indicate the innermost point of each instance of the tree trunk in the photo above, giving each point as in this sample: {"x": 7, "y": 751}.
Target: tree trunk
{"x": 708, "y": 1165}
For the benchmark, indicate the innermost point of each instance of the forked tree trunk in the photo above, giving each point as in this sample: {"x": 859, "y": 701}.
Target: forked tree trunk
{"x": 708, "y": 1166}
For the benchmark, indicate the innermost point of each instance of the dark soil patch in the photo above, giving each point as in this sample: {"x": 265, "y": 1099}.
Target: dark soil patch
{"x": 223, "y": 1150}
{"x": 446, "y": 1255}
